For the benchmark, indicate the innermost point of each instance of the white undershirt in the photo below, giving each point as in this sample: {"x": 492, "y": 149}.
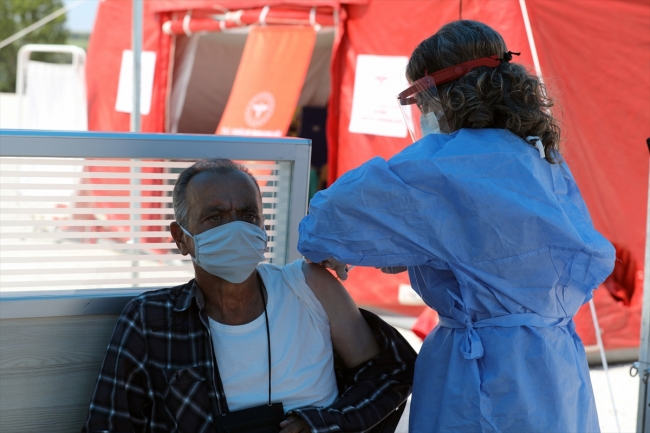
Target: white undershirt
{"x": 301, "y": 347}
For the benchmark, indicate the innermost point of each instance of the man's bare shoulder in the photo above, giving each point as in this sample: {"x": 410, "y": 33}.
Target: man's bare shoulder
{"x": 351, "y": 335}
{"x": 327, "y": 288}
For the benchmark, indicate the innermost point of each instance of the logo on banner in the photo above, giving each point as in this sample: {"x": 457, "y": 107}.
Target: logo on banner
{"x": 263, "y": 105}
{"x": 259, "y": 109}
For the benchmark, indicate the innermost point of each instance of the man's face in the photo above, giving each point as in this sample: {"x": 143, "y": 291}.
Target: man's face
{"x": 217, "y": 199}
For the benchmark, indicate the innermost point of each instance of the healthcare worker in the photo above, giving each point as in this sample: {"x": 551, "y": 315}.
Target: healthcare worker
{"x": 488, "y": 220}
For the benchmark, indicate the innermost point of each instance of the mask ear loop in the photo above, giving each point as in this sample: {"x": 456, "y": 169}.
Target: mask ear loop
{"x": 537, "y": 142}
{"x": 196, "y": 253}
{"x": 185, "y": 231}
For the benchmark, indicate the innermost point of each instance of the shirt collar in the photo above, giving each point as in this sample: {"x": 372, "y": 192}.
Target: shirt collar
{"x": 189, "y": 292}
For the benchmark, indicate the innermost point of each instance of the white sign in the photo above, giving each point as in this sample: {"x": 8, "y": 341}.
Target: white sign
{"x": 124, "y": 102}
{"x": 375, "y": 109}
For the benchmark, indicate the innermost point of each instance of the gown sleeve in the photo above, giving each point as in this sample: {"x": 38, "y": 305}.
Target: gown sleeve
{"x": 482, "y": 199}
{"x": 368, "y": 217}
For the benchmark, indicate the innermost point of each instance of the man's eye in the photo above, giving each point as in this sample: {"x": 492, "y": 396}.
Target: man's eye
{"x": 214, "y": 217}
{"x": 250, "y": 216}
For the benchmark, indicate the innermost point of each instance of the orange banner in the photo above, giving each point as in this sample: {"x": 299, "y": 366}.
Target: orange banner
{"x": 271, "y": 73}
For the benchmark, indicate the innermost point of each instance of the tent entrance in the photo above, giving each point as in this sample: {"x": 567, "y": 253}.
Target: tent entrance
{"x": 204, "y": 70}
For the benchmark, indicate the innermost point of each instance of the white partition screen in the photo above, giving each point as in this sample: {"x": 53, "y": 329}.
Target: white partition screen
{"x": 103, "y": 223}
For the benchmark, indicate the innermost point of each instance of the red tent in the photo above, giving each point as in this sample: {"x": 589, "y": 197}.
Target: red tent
{"x": 593, "y": 55}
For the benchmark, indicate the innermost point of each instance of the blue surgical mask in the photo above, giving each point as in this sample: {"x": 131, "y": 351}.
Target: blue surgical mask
{"x": 231, "y": 251}
{"x": 429, "y": 124}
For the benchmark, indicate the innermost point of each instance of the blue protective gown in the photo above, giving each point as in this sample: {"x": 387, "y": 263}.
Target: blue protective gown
{"x": 500, "y": 243}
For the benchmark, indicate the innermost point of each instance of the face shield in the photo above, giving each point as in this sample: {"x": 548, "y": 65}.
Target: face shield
{"x": 420, "y": 104}
{"x": 422, "y": 110}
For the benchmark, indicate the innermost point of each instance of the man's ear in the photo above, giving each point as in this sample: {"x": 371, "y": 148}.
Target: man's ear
{"x": 179, "y": 238}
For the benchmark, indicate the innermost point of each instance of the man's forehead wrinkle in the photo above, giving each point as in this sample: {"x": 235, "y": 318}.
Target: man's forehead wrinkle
{"x": 247, "y": 191}
{"x": 224, "y": 190}
{"x": 218, "y": 208}
{"x": 248, "y": 207}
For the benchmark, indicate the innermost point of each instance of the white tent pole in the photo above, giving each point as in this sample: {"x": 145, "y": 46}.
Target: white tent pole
{"x": 136, "y": 49}
{"x": 531, "y": 39}
{"x": 643, "y": 414}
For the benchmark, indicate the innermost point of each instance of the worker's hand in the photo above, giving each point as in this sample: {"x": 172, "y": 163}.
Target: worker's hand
{"x": 294, "y": 424}
{"x": 341, "y": 269}
{"x": 394, "y": 269}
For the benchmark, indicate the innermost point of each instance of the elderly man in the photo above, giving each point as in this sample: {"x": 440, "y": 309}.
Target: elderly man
{"x": 245, "y": 346}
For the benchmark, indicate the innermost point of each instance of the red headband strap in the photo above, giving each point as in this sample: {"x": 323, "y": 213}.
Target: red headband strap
{"x": 449, "y": 74}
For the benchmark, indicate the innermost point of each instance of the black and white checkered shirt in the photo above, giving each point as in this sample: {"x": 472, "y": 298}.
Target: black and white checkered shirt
{"x": 160, "y": 375}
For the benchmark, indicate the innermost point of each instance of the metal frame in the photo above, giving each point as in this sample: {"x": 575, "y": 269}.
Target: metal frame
{"x": 27, "y": 143}
{"x": 57, "y": 303}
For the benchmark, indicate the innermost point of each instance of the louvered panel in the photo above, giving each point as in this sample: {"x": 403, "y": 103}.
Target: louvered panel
{"x": 103, "y": 223}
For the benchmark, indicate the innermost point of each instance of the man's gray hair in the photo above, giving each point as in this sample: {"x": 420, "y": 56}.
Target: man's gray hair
{"x": 211, "y": 165}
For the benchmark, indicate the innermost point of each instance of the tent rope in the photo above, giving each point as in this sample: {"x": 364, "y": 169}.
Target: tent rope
{"x": 38, "y": 24}
{"x": 601, "y": 347}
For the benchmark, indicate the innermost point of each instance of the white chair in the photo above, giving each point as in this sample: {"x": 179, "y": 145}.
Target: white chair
{"x": 52, "y": 95}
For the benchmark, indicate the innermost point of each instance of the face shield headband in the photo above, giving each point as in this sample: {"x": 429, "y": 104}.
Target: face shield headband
{"x": 420, "y": 103}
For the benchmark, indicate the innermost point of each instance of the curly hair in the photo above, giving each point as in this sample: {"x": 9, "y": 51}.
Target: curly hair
{"x": 505, "y": 97}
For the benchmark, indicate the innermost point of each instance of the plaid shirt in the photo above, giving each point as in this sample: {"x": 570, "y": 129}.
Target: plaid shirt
{"x": 160, "y": 374}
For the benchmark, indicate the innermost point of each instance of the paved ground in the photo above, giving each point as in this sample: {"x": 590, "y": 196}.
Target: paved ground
{"x": 624, "y": 388}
